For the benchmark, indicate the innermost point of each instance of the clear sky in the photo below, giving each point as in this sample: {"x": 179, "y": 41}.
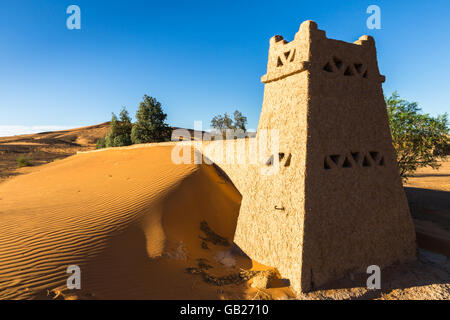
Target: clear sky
{"x": 199, "y": 58}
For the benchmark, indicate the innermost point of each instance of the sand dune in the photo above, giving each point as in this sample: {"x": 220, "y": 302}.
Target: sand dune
{"x": 141, "y": 227}
{"x": 130, "y": 219}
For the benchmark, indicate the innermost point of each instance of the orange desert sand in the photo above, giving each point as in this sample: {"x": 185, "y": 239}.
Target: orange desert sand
{"x": 131, "y": 220}
{"x": 141, "y": 227}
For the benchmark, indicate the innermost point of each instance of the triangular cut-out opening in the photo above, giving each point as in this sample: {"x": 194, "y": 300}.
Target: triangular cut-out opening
{"x": 326, "y": 165}
{"x": 356, "y": 156}
{"x": 335, "y": 158}
{"x": 337, "y": 62}
{"x": 286, "y": 54}
{"x": 365, "y": 75}
{"x": 279, "y": 62}
{"x": 288, "y": 160}
{"x": 366, "y": 162}
{"x": 374, "y": 155}
{"x": 358, "y": 67}
{"x": 348, "y": 72}
{"x": 281, "y": 156}
{"x": 293, "y": 56}
{"x": 381, "y": 161}
{"x": 328, "y": 67}
{"x": 346, "y": 163}
{"x": 269, "y": 162}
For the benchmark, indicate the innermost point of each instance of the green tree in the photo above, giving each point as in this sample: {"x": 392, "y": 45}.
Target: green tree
{"x": 217, "y": 123}
{"x": 419, "y": 139}
{"x": 150, "y": 123}
{"x": 239, "y": 121}
{"x": 227, "y": 121}
{"x": 119, "y": 132}
{"x": 125, "y": 128}
{"x": 101, "y": 143}
{"x": 112, "y": 133}
{"x": 222, "y": 123}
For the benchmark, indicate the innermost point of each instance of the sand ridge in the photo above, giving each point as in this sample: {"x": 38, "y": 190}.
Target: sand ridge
{"x": 118, "y": 215}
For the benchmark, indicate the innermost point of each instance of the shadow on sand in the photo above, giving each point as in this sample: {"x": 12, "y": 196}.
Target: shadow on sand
{"x": 429, "y": 269}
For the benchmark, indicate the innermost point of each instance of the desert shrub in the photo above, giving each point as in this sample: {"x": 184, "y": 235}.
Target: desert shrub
{"x": 150, "y": 123}
{"x": 23, "y": 161}
{"x": 419, "y": 139}
{"x": 119, "y": 132}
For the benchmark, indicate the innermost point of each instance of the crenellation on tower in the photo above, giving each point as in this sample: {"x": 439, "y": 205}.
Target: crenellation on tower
{"x": 312, "y": 49}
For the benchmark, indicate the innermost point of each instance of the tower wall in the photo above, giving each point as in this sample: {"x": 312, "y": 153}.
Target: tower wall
{"x": 270, "y": 227}
{"x": 356, "y": 209}
{"x": 273, "y": 205}
{"x": 337, "y": 205}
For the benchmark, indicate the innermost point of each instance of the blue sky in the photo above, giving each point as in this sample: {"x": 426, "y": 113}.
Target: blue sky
{"x": 199, "y": 58}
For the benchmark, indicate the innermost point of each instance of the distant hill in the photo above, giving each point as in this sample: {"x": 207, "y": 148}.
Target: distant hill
{"x": 83, "y": 136}
{"x": 45, "y": 147}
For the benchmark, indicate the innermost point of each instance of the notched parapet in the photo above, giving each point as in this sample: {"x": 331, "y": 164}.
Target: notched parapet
{"x": 288, "y": 58}
{"x": 312, "y": 50}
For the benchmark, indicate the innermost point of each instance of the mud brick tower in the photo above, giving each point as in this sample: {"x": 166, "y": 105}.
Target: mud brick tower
{"x": 336, "y": 204}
